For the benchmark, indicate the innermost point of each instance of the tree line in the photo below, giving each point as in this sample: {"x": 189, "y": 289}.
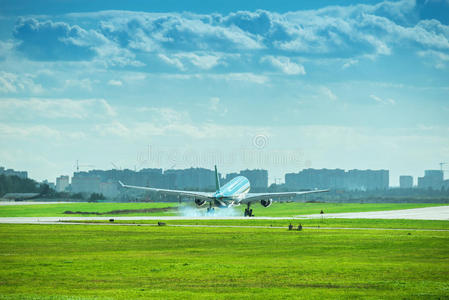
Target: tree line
{"x": 16, "y": 184}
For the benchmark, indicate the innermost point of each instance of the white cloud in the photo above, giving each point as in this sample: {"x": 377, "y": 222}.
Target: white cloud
{"x": 6, "y": 48}
{"x": 28, "y": 131}
{"x": 438, "y": 59}
{"x": 180, "y": 39}
{"x": 216, "y": 106}
{"x": 204, "y": 62}
{"x": 245, "y": 77}
{"x": 328, "y": 93}
{"x": 214, "y": 102}
{"x": 350, "y": 62}
{"x": 182, "y": 128}
{"x": 115, "y": 82}
{"x": 85, "y": 84}
{"x": 55, "y": 108}
{"x": 164, "y": 114}
{"x": 113, "y": 129}
{"x": 383, "y": 101}
{"x": 14, "y": 83}
{"x": 37, "y": 132}
{"x": 285, "y": 65}
{"x": 231, "y": 77}
{"x": 172, "y": 61}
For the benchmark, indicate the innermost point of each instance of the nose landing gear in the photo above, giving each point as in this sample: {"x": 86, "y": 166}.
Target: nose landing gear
{"x": 249, "y": 211}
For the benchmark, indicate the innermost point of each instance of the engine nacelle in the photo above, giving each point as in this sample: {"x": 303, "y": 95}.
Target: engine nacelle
{"x": 266, "y": 203}
{"x": 200, "y": 202}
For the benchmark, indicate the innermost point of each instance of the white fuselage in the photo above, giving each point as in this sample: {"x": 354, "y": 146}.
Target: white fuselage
{"x": 232, "y": 192}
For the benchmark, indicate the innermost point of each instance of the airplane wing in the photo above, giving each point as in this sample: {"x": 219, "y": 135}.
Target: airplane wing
{"x": 193, "y": 194}
{"x": 252, "y": 197}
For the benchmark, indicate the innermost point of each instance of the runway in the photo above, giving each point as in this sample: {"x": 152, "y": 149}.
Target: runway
{"x": 6, "y": 203}
{"x": 427, "y": 213}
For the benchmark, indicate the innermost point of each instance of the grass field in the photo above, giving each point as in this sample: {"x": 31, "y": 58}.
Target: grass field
{"x": 123, "y": 262}
{"x": 319, "y": 223}
{"x": 276, "y": 210}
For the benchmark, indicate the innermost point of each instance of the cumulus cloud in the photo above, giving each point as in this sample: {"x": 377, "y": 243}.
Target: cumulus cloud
{"x": 55, "y": 108}
{"x": 186, "y": 40}
{"x": 45, "y": 40}
{"x": 53, "y": 40}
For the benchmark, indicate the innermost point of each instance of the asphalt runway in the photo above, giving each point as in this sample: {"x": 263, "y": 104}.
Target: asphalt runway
{"x": 426, "y": 213}
{"x": 4, "y": 203}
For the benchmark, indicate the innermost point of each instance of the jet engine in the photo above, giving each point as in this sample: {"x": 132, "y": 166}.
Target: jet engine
{"x": 200, "y": 202}
{"x": 266, "y": 203}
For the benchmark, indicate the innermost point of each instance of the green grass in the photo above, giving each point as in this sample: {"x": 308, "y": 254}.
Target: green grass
{"x": 336, "y": 223}
{"x": 57, "y": 210}
{"x": 276, "y": 210}
{"x": 123, "y": 262}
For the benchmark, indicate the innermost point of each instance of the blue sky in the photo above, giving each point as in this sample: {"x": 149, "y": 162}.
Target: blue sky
{"x": 281, "y": 85}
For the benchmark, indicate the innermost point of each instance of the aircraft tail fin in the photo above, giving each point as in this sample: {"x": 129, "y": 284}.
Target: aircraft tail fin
{"x": 217, "y": 180}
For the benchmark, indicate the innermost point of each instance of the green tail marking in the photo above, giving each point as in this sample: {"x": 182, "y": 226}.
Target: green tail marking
{"x": 217, "y": 180}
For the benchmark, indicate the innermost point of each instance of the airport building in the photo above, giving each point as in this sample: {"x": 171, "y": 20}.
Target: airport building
{"x": 353, "y": 180}
{"x": 406, "y": 182}
{"x": 106, "y": 182}
{"x": 11, "y": 172}
{"x": 313, "y": 178}
{"x": 83, "y": 182}
{"x": 230, "y": 176}
{"x": 258, "y": 178}
{"x": 62, "y": 183}
{"x": 50, "y": 184}
{"x": 193, "y": 178}
{"x": 433, "y": 179}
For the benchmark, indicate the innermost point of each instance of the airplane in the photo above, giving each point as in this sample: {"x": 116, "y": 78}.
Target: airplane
{"x": 233, "y": 193}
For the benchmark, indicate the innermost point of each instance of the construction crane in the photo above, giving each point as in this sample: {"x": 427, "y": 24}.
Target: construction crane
{"x": 78, "y": 166}
{"x": 115, "y": 166}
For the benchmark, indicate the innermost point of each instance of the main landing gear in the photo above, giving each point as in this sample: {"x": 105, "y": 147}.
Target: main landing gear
{"x": 210, "y": 209}
{"x": 249, "y": 211}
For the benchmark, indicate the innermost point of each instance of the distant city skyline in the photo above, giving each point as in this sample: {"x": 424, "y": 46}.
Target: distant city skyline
{"x": 203, "y": 178}
{"x": 275, "y": 85}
